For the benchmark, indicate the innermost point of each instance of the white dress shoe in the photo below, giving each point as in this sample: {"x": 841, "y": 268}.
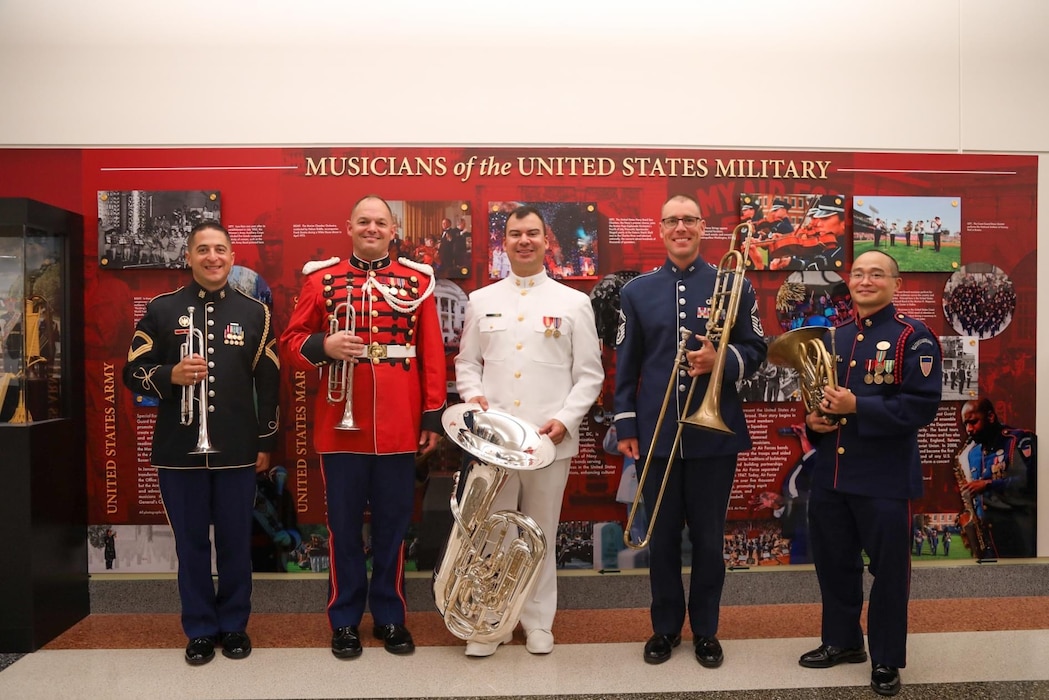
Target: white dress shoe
{"x": 481, "y": 649}
{"x": 540, "y": 642}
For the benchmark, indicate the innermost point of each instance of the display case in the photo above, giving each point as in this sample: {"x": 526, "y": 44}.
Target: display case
{"x": 43, "y": 504}
{"x": 34, "y": 265}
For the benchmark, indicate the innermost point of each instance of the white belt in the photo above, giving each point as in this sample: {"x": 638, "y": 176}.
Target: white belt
{"x": 377, "y": 351}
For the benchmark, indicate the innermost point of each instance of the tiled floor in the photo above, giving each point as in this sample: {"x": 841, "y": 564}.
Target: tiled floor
{"x": 970, "y": 647}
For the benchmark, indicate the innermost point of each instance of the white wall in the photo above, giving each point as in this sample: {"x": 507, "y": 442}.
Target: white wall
{"x": 920, "y": 75}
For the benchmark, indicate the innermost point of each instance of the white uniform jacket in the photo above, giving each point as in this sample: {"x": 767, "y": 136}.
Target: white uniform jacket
{"x": 530, "y": 347}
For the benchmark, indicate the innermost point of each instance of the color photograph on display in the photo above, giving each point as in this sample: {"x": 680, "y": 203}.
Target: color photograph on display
{"x": 571, "y": 234}
{"x": 434, "y": 233}
{"x": 147, "y": 228}
{"x": 921, "y": 233}
{"x": 796, "y": 232}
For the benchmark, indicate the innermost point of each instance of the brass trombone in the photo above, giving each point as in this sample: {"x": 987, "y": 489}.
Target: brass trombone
{"x": 194, "y": 345}
{"x": 340, "y": 372}
{"x": 724, "y": 307}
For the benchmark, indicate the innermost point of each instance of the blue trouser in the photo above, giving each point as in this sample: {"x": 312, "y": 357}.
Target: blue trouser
{"x": 352, "y": 483}
{"x": 194, "y": 500}
{"x": 696, "y": 495}
{"x": 841, "y": 526}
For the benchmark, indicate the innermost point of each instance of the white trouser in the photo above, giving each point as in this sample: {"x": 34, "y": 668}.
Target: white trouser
{"x": 538, "y": 494}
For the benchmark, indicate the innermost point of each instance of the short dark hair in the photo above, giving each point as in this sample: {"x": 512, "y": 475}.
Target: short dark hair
{"x": 686, "y": 197}
{"x": 520, "y": 213}
{"x": 208, "y": 224}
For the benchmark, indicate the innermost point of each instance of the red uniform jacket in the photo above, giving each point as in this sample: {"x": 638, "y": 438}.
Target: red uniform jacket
{"x": 399, "y": 388}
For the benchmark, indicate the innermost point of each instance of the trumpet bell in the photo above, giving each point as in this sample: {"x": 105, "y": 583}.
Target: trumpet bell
{"x": 498, "y": 438}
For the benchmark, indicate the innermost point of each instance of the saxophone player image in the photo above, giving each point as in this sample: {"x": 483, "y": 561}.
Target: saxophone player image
{"x": 530, "y": 348}
{"x": 208, "y": 353}
{"x": 999, "y": 466}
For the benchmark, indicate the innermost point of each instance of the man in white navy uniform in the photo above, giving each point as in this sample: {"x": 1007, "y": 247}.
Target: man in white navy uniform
{"x": 530, "y": 349}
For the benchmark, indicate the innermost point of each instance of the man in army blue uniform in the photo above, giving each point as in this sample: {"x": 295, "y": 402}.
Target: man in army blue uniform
{"x": 1002, "y": 468}
{"x": 654, "y": 307}
{"x": 228, "y": 379}
{"x": 868, "y": 470}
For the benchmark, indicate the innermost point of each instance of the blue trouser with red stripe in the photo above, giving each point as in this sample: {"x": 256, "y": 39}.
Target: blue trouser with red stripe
{"x": 352, "y": 483}
{"x": 194, "y": 500}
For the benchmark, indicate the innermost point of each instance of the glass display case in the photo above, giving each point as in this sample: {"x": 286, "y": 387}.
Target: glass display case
{"x": 42, "y": 424}
{"x": 33, "y": 268}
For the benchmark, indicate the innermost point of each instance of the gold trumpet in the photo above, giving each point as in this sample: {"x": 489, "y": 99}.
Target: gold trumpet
{"x": 724, "y": 307}
{"x": 803, "y": 350}
{"x": 194, "y": 345}
{"x": 340, "y": 372}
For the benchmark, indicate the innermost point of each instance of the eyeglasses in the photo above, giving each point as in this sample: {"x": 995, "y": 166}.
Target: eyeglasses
{"x": 874, "y": 276}
{"x": 688, "y": 221}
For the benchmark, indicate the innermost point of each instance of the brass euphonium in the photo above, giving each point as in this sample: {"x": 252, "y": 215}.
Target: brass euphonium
{"x": 340, "y": 372}
{"x": 803, "y": 350}
{"x": 492, "y": 559}
{"x": 724, "y": 307}
{"x": 198, "y": 393}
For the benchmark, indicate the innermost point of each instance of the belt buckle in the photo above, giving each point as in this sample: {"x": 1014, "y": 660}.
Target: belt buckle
{"x": 376, "y": 351}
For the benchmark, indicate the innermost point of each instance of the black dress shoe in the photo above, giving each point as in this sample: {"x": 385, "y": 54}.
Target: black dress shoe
{"x": 396, "y": 638}
{"x": 826, "y": 656}
{"x": 885, "y": 680}
{"x": 708, "y": 651}
{"x": 235, "y": 645}
{"x": 200, "y": 650}
{"x": 346, "y": 642}
{"x": 659, "y": 647}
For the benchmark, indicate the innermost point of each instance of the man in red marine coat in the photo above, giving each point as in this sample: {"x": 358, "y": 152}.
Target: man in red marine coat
{"x": 396, "y": 385}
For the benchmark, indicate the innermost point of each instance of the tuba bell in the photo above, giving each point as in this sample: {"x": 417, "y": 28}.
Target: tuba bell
{"x": 492, "y": 559}
{"x": 803, "y": 350}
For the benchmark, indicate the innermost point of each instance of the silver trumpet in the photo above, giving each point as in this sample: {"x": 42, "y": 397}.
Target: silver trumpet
{"x": 340, "y": 372}
{"x": 194, "y": 345}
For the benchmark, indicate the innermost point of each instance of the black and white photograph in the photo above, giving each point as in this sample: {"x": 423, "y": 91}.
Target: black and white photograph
{"x": 961, "y": 367}
{"x": 147, "y": 228}
{"x": 979, "y": 300}
{"x": 771, "y": 383}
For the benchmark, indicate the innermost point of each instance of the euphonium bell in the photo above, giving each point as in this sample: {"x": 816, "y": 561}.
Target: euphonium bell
{"x": 803, "y": 350}
{"x": 492, "y": 559}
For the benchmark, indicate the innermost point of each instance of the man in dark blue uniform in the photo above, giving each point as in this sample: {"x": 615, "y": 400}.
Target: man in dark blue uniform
{"x": 235, "y": 360}
{"x": 654, "y": 307}
{"x": 867, "y": 471}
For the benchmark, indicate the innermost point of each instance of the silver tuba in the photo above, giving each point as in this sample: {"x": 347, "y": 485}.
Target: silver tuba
{"x": 491, "y": 560}
{"x": 803, "y": 350}
{"x": 194, "y": 345}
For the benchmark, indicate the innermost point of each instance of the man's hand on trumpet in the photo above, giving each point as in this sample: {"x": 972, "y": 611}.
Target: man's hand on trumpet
{"x": 190, "y": 370}
{"x": 343, "y": 345}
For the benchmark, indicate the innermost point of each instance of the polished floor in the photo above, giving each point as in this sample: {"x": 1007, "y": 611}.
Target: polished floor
{"x": 959, "y": 647}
